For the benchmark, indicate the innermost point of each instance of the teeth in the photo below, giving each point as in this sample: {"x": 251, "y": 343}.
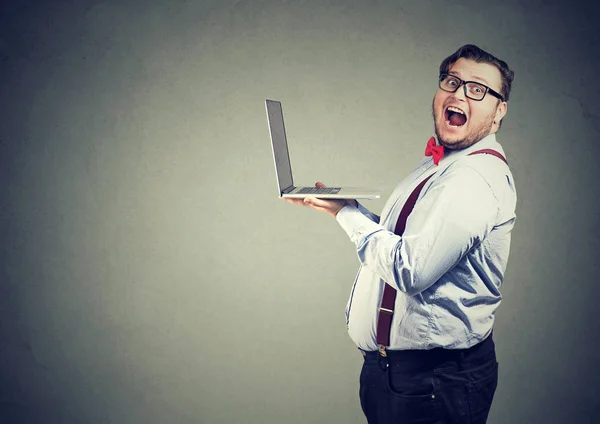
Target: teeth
{"x": 455, "y": 109}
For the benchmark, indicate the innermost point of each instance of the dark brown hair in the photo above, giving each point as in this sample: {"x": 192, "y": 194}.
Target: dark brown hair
{"x": 472, "y": 52}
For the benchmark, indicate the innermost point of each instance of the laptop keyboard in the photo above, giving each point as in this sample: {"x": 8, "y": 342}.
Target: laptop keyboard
{"x": 317, "y": 190}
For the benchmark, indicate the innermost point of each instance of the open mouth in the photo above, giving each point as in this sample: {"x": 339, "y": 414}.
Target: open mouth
{"x": 455, "y": 117}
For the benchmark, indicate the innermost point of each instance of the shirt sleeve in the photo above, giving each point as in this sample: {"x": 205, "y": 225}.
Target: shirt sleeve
{"x": 456, "y": 213}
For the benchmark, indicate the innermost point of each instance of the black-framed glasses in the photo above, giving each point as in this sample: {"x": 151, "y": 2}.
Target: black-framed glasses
{"x": 473, "y": 90}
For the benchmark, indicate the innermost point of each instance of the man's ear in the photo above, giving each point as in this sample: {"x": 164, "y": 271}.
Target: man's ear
{"x": 502, "y": 109}
{"x": 500, "y": 112}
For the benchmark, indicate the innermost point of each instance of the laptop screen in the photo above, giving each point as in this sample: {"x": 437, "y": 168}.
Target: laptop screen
{"x": 279, "y": 142}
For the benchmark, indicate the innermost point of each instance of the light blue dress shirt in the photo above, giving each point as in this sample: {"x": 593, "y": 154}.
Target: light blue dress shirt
{"x": 450, "y": 262}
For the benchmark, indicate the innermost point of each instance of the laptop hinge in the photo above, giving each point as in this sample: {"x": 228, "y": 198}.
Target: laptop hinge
{"x": 289, "y": 189}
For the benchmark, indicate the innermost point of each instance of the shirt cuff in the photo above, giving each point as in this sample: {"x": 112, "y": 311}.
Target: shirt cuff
{"x": 355, "y": 224}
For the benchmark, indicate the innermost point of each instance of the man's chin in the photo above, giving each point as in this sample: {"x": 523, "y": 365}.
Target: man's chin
{"x": 449, "y": 142}
{"x": 462, "y": 137}
{"x": 446, "y": 138}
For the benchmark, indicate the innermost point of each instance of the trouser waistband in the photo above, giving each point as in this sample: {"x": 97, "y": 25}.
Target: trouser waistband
{"x": 483, "y": 349}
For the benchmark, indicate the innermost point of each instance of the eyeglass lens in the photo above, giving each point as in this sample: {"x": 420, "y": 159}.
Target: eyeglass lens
{"x": 474, "y": 90}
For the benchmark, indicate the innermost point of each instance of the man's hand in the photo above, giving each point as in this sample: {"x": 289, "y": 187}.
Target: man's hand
{"x": 329, "y": 206}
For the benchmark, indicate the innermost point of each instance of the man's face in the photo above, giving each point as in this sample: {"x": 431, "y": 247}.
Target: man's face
{"x": 482, "y": 117}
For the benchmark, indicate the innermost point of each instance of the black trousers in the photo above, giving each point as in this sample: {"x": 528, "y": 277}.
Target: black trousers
{"x": 438, "y": 386}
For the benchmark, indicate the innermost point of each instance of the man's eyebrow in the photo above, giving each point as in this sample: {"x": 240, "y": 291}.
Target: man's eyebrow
{"x": 481, "y": 79}
{"x": 475, "y": 77}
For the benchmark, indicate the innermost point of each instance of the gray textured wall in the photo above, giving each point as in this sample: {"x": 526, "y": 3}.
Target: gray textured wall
{"x": 134, "y": 290}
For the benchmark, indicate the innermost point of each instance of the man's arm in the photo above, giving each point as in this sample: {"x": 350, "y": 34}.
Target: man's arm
{"x": 456, "y": 213}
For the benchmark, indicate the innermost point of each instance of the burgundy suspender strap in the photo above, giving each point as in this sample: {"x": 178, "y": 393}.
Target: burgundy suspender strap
{"x": 388, "y": 300}
{"x": 490, "y": 152}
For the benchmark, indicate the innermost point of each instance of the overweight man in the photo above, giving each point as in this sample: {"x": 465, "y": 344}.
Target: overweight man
{"x": 421, "y": 309}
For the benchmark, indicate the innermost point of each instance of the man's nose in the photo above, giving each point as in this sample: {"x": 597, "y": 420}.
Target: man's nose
{"x": 460, "y": 93}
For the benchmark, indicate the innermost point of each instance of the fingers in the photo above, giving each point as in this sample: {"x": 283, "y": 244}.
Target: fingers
{"x": 306, "y": 201}
{"x": 317, "y": 203}
{"x": 294, "y": 201}
{"x": 319, "y": 184}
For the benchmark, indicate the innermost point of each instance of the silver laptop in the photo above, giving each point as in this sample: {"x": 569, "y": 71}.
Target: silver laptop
{"x": 283, "y": 168}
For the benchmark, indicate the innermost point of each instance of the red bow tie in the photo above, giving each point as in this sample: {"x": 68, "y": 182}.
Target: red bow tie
{"x": 434, "y": 150}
